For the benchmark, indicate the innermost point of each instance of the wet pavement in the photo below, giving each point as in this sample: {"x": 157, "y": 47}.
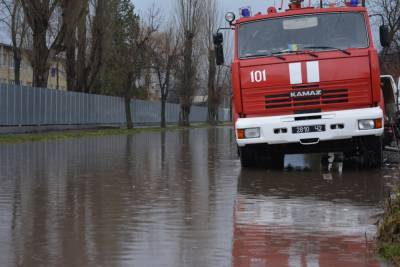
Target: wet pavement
{"x": 180, "y": 198}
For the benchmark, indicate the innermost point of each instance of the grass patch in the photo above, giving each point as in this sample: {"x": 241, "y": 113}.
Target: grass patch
{"x": 390, "y": 252}
{"x": 389, "y": 230}
{"x": 68, "y": 134}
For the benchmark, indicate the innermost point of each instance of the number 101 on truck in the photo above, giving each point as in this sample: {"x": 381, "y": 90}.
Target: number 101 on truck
{"x": 305, "y": 80}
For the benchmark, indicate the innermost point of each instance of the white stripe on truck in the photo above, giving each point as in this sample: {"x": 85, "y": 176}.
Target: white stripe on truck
{"x": 296, "y": 76}
{"x": 295, "y": 73}
{"x": 313, "y": 72}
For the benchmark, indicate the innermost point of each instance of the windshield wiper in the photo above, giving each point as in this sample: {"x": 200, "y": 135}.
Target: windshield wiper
{"x": 265, "y": 55}
{"x": 329, "y": 48}
{"x": 296, "y": 52}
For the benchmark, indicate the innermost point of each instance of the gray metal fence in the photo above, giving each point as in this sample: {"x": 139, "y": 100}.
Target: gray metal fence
{"x": 24, "y": 106}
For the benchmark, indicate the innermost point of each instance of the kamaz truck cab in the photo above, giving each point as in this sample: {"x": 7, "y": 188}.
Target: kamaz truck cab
{"x": 306, "y": 80}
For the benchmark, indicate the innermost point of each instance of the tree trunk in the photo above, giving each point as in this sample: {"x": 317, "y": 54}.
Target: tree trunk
{"x": 81, "y": 59}
{"x": 163, "y": 104}
{"x": 128, "y": 98}
{"x": 184, "y": 114}
{"x": 95, "y": 60}
{"x": 17, "y": 66}
{"x": 128, "y": 114}
{"x": 230, "y": 109}
{"x": 70, "y": 63}
{"x": 15, "y": 48}
{"x": 40, "y": 57}
{"x": 187, "y": 83}
{"x": 212, "y": 103}
{"x": 147, "y": 82}
{"x": 58, "y": 75}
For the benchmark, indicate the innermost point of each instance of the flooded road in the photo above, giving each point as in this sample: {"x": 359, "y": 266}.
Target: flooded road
{"x": 180, "y": 198}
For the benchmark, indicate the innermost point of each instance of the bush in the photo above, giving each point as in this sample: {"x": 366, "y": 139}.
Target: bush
{"x": 389, "y": 230}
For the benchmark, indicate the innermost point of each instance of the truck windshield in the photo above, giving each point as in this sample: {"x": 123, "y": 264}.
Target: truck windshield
{"x": 298, "y": 33}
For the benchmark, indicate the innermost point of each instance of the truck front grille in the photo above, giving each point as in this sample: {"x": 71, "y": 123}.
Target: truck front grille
{"x": 333, "y": 96}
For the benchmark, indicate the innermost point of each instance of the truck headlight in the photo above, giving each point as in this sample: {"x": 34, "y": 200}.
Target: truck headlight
{"x": 370, "y": 124}
{"x": 248, "y": 133}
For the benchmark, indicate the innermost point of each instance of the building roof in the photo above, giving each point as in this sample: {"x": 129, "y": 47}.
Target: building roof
{"x": 4, "y": 35}
{"x": 60, "y": 56}
{"x": 5, "y": 45}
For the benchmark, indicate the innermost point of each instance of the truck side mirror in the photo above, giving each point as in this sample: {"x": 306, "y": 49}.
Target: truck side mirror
{"x": 219, "y": 48}
{"x": 218, "y": 38}
{"x": 219, "y": 55}
{"x": 384, "y": 35}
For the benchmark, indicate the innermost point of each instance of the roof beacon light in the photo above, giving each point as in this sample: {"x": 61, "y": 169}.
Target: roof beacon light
{"x": 352, "y": 3}
{"x": 245, "y": 12}
{"x": 295, "y": 4}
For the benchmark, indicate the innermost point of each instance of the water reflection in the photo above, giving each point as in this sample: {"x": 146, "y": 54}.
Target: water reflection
{"x": 303, "y": 218}
{"x": 178, "y": 199}
{"x": 159, "y": 199}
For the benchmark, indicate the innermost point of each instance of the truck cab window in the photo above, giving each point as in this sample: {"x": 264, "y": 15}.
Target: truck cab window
{"x": 316, "y": 32}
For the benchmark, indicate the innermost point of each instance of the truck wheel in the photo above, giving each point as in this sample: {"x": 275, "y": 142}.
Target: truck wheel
{"x": 389, "y": 135}
{"x": 276, "y": 161}
{"x": 373, "y": 152}
{"x": 247, "y": 157}
{"x": 350, "y": 159}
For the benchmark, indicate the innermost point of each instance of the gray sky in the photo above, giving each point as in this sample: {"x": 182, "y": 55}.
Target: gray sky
{"x": 4, "y": 34}
{"x": 167, "y": 6}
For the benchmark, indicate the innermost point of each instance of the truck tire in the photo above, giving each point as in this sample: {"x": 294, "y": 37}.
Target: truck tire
{"x": 276, "y": 161}
{"x": 248, "y": 158}
{"x": 373, "y": 153}
{"x": 253, "y": 157}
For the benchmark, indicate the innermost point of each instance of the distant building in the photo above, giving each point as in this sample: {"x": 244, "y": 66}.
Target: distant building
{"x": 200, "y": 100}
{"x": 57, "y": 75}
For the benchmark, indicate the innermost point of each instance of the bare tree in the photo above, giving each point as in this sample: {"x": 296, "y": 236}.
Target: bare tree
{"x": 70, "y": 43}
{"x": 88, "y": 76}
{"x": 212, "y": 17}
{"x": 390, "y": 10}
{"x": 38, "y": 14}
{"x": 189, "y": 13}
{"x": 390, "y": 56}
{"x": 15, "y": 20}
{"x": 85, "y": 44}
{"x": 164, "y": 61}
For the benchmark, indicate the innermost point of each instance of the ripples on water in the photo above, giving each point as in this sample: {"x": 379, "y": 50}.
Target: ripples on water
{"x": 177, "y": 199}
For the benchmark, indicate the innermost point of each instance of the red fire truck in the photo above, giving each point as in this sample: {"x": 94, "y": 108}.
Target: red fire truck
{"x": 306, "y": 80}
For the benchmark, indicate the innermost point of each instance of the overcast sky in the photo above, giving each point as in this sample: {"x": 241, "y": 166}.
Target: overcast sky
{"x": 167, "y": 6}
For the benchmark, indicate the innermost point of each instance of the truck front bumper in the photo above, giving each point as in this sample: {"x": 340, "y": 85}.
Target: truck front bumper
{"x": 338, "y": 125}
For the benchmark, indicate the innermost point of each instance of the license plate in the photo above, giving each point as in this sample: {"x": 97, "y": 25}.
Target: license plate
{"x": 308, "y": 129}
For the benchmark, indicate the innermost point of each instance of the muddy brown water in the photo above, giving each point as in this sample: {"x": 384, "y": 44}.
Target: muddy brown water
{"x": 180, "y": 198}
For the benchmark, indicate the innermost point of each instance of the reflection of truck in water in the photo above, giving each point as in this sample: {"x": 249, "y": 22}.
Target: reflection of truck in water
{"x": 306, "y": 80}
{"x": 294, "y": 222}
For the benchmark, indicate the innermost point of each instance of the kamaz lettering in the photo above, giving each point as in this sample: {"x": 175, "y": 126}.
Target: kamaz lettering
{"x": 305, "y": 93}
